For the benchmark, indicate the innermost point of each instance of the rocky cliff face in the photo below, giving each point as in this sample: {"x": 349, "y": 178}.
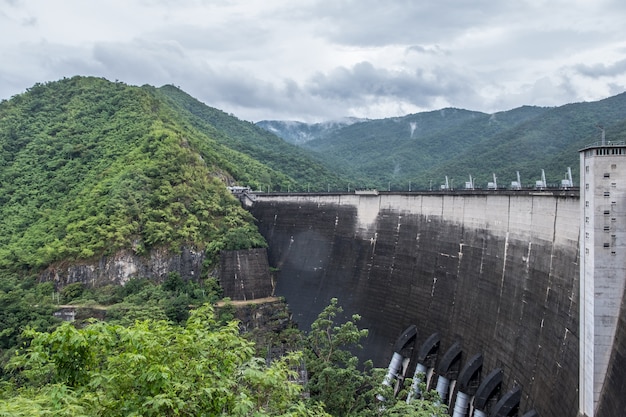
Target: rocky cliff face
{"x": 124, "y": 265}
{"x": 243, "y": 274}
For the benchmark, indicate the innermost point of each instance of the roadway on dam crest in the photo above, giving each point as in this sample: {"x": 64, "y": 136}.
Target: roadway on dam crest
{"x": 496, "y": 271}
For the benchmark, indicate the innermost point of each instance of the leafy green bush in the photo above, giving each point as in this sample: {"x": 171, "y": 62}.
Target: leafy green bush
{"x": 152, "y": 368}
{"x": 177, "y": 309}
{"x": 72, "y": 291}
{"x": 336, "y": 378}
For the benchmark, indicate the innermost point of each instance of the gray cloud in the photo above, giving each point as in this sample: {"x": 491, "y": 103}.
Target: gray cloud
{"x": 602, "y": 70}
{"x": 319, "y": 59}
{"x": 363, "y": 81}
{"x": 213, "y": 38}
{"x": 434, "y": 49}
{"x": 375, "y": 23}
{"x": 157, "y": 60}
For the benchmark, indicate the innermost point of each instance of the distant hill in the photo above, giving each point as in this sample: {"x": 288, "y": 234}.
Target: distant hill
{"x": 89, "y": 167}
{"x": 419, "y": 150}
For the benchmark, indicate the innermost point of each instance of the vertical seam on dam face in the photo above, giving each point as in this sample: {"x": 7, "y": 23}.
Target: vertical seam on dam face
{"x": 502, "y": 275}
{"x": 484, "y": 270}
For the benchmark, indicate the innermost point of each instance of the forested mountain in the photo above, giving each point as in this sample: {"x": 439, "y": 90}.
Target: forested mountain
{"x": 88, "y": 167}
{"x": 421, "y": 149}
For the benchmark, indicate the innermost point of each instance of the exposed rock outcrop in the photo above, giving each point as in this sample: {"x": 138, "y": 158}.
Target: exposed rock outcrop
{"x": 125, "y": 264}
{"x": 243, "y": 274}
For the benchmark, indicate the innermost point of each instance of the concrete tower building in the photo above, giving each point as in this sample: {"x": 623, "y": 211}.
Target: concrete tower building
{"x": 602, "y": 262}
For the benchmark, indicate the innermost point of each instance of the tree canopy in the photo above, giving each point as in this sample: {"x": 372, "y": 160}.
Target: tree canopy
{"x": 346, "y": 387}
{"x": 151, "y": 368}
{"x": 202, "y": 367}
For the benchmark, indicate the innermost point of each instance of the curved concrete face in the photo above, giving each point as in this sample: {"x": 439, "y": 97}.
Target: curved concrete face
{"x": 508, "y": 403}
{"x": 405, "y": 339}
{"x": 498, "y": 272}
{"x": 488, "y": 389}
{"x": 427, "y": 353}
{"x": 451, "y": 362}
{"x": 469, "y": 377}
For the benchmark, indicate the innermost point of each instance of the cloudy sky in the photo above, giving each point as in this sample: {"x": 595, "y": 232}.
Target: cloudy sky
{"x": 314, "y": 60}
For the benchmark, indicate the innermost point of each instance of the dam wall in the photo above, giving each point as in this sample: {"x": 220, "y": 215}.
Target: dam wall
{"x": 245, "y": 274}
{"x": 496, "y": 271}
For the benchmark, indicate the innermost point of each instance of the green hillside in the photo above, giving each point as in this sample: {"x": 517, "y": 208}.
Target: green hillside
{"x": 397, "y": 149}
{"x": 302, "y": 169}
{"x": 407, "y": 149}
{"x": 422, "y": 149}
{"x": 549, "y": 141}
{"x": 88, "y": 167}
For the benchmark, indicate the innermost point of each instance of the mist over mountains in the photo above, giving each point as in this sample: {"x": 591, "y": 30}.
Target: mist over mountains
{"x": 300, "y": 133}
{"x": 421, "y": 149}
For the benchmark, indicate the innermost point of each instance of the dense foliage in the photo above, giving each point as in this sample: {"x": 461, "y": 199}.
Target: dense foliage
{"x": 348, "y": 388}
{"x": 23, "y": 303}
{"x": 88, "y": 167}
{"x": 419, "y": 150}
{"x": 151, "y": 368}
{"x": 335, "y": 378}
{"x": 300, "y": 170}
{"x": 147, "y": 362}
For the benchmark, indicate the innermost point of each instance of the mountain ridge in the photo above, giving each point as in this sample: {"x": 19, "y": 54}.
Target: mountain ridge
{"x": 89, "y": 166}
{"x": 423, "y": 148}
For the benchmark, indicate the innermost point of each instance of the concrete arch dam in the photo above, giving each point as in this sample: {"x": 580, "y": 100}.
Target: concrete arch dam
{"x": 497, "y": 272}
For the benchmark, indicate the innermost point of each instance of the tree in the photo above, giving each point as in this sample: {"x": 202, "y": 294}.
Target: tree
{"x": 334, "y": 377}
{"x": 72, "y": 291}
{"x": 23, "y": 304}
{"x": 152, "y": 368}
